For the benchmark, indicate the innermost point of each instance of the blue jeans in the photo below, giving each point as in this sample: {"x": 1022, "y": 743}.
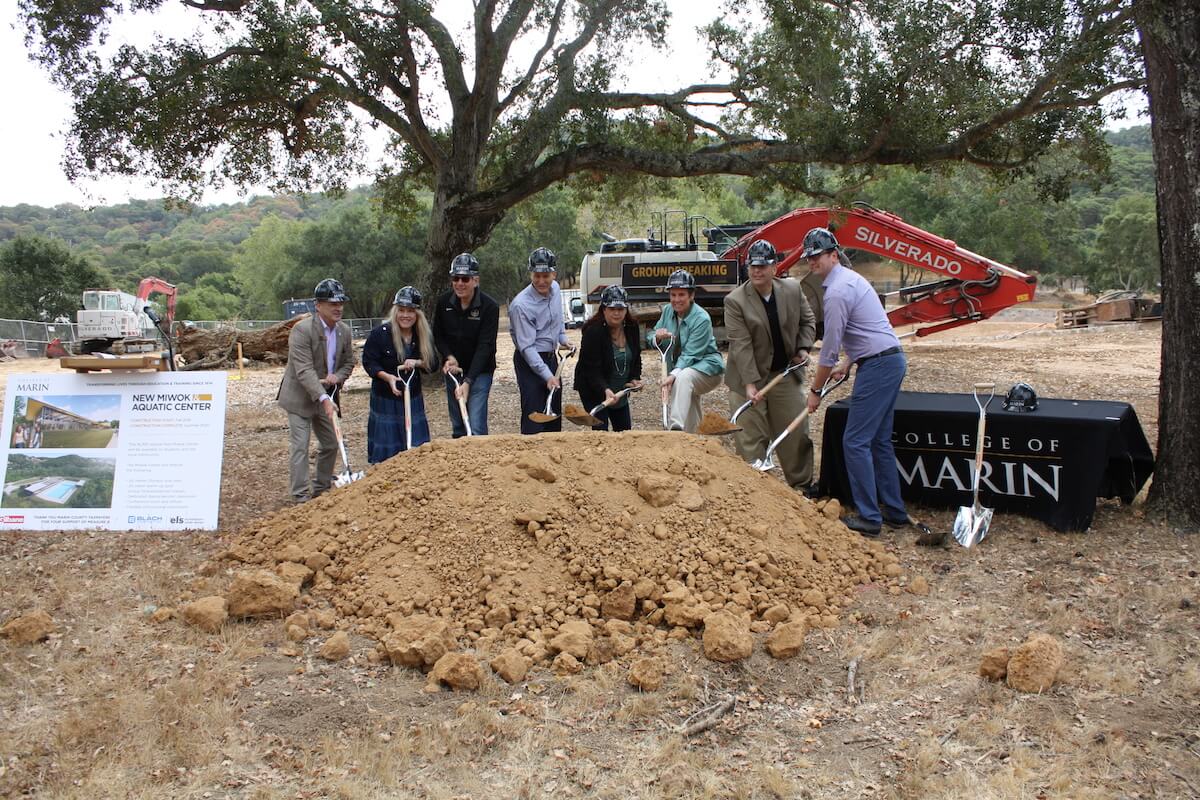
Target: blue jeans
{"x": 477, "y": 406}
{"x": 867, "y": 442}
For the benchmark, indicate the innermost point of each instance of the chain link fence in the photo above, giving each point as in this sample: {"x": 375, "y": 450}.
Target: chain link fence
{"x": 29, "y": 339}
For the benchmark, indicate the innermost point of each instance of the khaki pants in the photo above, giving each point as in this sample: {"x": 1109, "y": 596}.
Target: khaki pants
{"x": 763, "y": 422}
{"x": 299, "y": 430}
{"x": 684, "y": 405}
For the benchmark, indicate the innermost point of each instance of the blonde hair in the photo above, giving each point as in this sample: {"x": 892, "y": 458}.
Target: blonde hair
{"x": 424, "y": 338}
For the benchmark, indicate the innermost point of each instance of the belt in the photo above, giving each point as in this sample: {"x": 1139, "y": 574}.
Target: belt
{"x": 891, "y": 351}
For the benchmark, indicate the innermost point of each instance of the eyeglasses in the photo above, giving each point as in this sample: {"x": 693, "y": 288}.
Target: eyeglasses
{"x": 461, "y": 279}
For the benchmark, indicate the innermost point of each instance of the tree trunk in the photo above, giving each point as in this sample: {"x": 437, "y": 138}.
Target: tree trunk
{"x": 450, "y": 233}
{"x": 1171, "y": 44}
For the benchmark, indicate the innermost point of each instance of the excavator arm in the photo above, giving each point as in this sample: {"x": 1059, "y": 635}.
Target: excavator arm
{"x": 149, "y": 286}
{"x": 972, "y": 288}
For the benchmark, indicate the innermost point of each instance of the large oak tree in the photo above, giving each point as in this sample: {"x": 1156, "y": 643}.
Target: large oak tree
{"x": 1170, "y": 31}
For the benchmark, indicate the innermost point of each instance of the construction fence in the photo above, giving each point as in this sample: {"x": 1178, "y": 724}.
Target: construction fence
{"x": 32, "y": 337}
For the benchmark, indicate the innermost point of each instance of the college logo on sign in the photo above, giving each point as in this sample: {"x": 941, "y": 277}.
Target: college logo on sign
{"x": 13, "y": 519}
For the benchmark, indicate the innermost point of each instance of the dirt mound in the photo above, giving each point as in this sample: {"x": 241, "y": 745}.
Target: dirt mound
{"x": 508, "y": 539}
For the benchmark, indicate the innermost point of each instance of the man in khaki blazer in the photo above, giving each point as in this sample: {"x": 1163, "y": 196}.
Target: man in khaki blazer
{"x": 320, "y": 359}
{"x": 770, "y": 327}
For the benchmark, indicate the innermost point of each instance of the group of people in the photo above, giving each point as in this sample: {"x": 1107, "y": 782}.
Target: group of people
{"x": 27, "y": 435}
{"x": 769, "y": 323}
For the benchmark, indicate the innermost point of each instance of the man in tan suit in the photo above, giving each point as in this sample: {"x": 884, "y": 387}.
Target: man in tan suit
{"x": 770, "y": 327}
{"x": 320, "y": 359}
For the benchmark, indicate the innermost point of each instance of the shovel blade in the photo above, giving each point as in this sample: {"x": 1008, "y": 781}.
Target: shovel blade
{"x": 716, "y": 425}
{"x": 539, "y": 417}
{"x": 347, "y": 478}
{"x": 971, "y": 525}
{"x": 765, "y": 464}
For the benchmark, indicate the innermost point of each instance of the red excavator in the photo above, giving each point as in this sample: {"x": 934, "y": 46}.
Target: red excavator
{"x": 972, "y": 288}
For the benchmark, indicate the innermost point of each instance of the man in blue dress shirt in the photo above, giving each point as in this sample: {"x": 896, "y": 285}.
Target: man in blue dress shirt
{"x": 535, "y": 321}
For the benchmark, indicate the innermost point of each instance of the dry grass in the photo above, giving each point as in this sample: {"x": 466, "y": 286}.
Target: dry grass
{"x": 114, "y": 706}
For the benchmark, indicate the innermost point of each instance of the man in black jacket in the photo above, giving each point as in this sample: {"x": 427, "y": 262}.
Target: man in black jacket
{"x": 465, "y": 322}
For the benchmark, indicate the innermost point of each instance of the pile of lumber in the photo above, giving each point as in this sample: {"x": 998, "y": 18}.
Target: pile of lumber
{"x": 217, "y": 348}
{"x": 1113, "y": 307}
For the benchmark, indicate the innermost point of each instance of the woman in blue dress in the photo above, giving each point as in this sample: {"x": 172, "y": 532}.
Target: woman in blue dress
{"x": 395, "y": 350}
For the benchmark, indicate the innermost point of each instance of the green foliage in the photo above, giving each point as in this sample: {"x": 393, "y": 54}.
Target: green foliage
{"x": 545, "y": 220}
{"x": 40, "y": 279}
{"x": 1127, "y": 247}
{"x": 523, "y": 98}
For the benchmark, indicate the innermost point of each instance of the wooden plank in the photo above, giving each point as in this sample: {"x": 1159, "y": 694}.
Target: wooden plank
{"x": 94, "y": 363}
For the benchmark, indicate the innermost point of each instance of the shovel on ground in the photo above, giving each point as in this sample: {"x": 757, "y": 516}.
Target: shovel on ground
{"x": 462, "y": 404}
{"x": 588, "y": 418}
{"x": 662, "y": 352}
{"x": 407, "y": 404}
{"x": 542, "y": 417}
{"x": 972, "y": 522}
{"x": 767, "y": 462}
{"x": 344, "y": 477}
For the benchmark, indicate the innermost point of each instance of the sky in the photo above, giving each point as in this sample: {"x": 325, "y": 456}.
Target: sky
{"x": 100, "y": 407}
{"x": 37, "y": 112}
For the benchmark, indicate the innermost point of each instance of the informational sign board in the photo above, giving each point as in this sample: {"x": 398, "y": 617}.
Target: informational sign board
{"x": 112, "y": 451}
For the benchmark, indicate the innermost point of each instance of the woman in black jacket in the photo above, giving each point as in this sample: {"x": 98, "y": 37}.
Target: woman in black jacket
{"x": 610, "y": 359}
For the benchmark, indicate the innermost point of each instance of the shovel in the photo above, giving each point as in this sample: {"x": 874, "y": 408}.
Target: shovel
{"x": 588, "y": 418}
{"x": 407, "y": 404}
{"x": 462, "y": 404}
{"x": 971, "y": 524}
{"x": 767, "y": 462}
{"x": 715, "y": 424}
{"x": 662, "y": 352}
{"x": 542, "y": 417}
{"x": 770, "y": 385}
{"x": 345, "y": 476}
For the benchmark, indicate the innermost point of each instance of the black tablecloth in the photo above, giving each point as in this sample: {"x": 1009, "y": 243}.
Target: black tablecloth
{"x": 1050, "y": 464}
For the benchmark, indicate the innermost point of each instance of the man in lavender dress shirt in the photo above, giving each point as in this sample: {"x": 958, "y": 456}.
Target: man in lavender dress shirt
{"x": 856, "y": 323}
{"x": 535, "y": 322}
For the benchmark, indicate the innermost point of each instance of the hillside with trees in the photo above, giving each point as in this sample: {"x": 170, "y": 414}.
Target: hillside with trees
{"x": 242, "y": 260}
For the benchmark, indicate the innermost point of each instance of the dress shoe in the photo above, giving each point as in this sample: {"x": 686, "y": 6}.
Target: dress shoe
{"x": 856, "y": 523}
{"x": 812, "y": 491}
{"x": 898, "y": 522}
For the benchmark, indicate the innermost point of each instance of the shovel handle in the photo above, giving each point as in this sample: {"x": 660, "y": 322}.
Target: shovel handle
{"x": 771, "y": 384}
{"x": 462, "y": 404}
{"x": 616, "y": 398}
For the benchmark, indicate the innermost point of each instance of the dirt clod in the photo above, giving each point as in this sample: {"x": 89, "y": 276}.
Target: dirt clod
{"x": 1034, "y": 665}
{"x": 336, "y": 647}
{"x": 787, "y": 639}
{"x": 994, "y": 664}
{"x": 727, "y": 637}
{"x": 459, "y": 671}
{"x": 29, "y": 628}
{"x": 510, "y": 665}
{"x": 261, "y": 594}
{"x": 208, "y": 613}
{"x": 646, "y": 674}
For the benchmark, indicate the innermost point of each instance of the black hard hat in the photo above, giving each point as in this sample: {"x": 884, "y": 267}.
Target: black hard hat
{"x": 543, "y": 260}
{"x": 761, "y": 254}
{"x": 614, "y": 297}
{"x": 464, "y": 264}
{"x": 407, "y": 297}
{"x": 817, "y": 241}
{"x": 331, "y": 291}
{"x": 1021, "y": 397}
{"x": 681, "y": 279}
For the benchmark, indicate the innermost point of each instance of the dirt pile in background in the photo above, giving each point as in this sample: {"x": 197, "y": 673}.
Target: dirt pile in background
{"x": 509, "y": 539}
